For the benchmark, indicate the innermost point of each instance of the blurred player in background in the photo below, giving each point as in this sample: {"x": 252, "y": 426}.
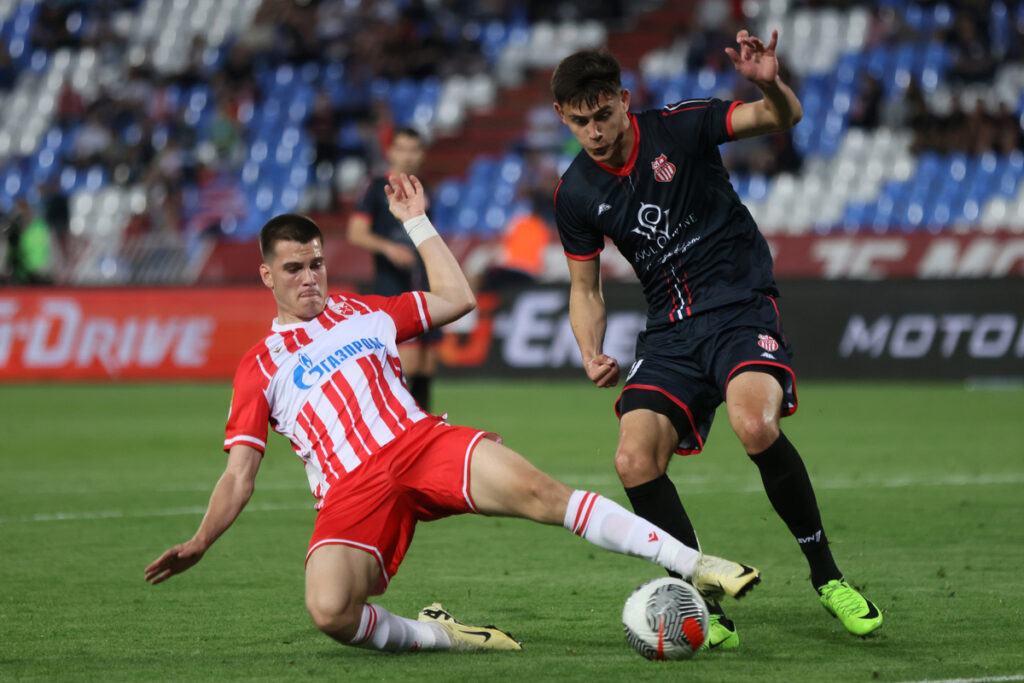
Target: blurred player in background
{"x": 397, "y": 266}
{"x": 328, "y": 377}
{"x": 654, "y": 183}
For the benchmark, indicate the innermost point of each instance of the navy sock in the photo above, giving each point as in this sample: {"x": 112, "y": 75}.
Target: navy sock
{"x": 791, "y": 494}
{"x": 658, "y": 502}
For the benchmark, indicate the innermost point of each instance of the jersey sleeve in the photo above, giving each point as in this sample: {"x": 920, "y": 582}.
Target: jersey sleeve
{"x": 707, "y": 122}
{"x": 408, "y": 310}
{"x": 250, "y": 411}
{"x": 579, "y": 240}
{"x": 367, "y": 202}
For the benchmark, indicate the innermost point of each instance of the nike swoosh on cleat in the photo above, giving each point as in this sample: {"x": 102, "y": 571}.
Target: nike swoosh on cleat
{"x": 485, "y": 634}
{"x": 872, "y": 611}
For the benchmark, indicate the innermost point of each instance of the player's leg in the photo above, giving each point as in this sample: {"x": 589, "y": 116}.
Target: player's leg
{"x": 502, "y": 482}
{"x": 753, "y": 401}
{"x": 339, "y": 579}
{"x": 419, "y": 362}
{"x": 647, "y": 441}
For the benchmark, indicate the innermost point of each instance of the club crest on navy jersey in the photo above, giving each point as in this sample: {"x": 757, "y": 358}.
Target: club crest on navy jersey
{"x": 664, "y": 170}
{"x": 767, "y": 342}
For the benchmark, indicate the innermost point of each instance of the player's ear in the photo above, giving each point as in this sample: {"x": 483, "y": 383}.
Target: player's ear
{"x": 624, "y": 97}
{"x": 558, "y": 110}
{"x": 266, "y": 276}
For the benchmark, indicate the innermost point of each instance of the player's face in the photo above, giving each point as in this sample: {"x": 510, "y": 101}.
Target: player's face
{"x": 603, "y": 129}
{"x": 405, "y": 154}
{"x": 298, "y": 278}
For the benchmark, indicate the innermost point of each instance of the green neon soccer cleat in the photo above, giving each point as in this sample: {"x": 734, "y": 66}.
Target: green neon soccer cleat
{"x": 722, "y": 634}
{"x": 858, "y": 614}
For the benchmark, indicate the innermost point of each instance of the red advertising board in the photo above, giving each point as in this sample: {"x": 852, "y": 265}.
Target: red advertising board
{"x": 159, "y": 334}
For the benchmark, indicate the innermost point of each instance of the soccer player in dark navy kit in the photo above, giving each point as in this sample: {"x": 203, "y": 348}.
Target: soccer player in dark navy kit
{"x": 654, "y": 183}
{"x": 397, "y": 266}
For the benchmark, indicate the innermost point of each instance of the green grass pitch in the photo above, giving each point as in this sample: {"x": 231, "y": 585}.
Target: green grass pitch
{"x": 921, "y": 488}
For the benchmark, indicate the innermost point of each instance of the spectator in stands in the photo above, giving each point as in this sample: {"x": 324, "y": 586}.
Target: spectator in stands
{"x": 865, "y": 112}
{"x": 226, "y": 133}
{"x": 981, "y": 131}
{"x": 972, "y": 59}
{"x": 55, "y": 209}
{"x": 36, "y": 248}
{"x": 946, "y": 133}
{"x": 8, "y": 72}
{"x": 322, "y": 126}
{"x": 519, "y": 261}
{"x": 70, "y": 107}
{"x": 1009, "y": 137}
{"x": 28, "y": 246}
{"x": 93, "y": 141}
{"x": 50, "y": 31}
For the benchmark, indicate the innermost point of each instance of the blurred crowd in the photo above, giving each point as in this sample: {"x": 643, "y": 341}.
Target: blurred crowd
{"x": 147, "y": 130}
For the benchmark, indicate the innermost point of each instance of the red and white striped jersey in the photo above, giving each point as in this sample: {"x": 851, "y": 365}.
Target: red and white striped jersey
{"x": 333, "y": 385}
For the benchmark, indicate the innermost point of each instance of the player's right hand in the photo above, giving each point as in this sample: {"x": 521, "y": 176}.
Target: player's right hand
{"x": 603, "y": 370}
{"x": 174, "y": 561}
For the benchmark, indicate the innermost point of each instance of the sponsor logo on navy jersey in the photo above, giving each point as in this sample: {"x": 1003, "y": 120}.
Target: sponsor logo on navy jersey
{"x": 309, "y": 372}
{"x": 664, "y": 170}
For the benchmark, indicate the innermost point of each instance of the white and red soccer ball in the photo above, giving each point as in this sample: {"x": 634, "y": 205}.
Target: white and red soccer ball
{"x": 665, "y": 619}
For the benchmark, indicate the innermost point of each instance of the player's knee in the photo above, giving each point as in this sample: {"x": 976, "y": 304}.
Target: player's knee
{"x": 336, "y": 615}
{"x": 545, "y": 498}
{"x": 756, "y": 432}
{"x": 635, "y": 466}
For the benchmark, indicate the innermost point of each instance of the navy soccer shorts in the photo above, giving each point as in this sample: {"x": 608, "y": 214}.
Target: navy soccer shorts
{"x": 683, "y": 368}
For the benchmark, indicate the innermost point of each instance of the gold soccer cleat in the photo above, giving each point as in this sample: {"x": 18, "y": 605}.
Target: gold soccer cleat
{"x": 466, "y": 638}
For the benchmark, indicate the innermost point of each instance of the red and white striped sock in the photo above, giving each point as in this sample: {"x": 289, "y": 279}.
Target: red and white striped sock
{"x": 379, "y": 629}
{"x": 610, "y": 526}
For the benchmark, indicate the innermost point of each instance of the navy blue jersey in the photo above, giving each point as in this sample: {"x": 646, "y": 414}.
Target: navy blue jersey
{"x": 672, "y": 213}
{"x": 374, "y": 204}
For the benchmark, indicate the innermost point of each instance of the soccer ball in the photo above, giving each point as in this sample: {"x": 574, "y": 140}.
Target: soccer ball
{"x": 665, "y": 619}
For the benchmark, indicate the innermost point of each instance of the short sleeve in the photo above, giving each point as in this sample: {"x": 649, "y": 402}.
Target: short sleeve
{"x": 250, "y": 412}
{"x": 408, "y": 310}
{"x": 367, "y": 202}
{"x": 579, "y": 240}
{"x": 708, "y": 121}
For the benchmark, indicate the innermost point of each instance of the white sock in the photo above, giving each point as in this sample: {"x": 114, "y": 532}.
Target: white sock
{"x": 610, "y": 526}
{"x": 379, "y": 629}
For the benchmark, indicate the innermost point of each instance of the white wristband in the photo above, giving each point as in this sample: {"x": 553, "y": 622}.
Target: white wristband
{"x": 419, "y": 228}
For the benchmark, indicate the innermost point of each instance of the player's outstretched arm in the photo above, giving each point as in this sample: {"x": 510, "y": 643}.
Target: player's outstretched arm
{"x": 229, "y": 496}
{"x": 780, "y": 109}
{"x": 450, "y": 296}
{"x": 587, "y": 316}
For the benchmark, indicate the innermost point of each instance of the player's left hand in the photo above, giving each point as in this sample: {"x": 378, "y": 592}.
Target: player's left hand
{"x": 406, "y": 198}
{"x": 755, "y": 61}
{"x": 174, "y": 561}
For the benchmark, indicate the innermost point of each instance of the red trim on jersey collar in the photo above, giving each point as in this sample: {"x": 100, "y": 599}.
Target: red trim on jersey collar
{"x": 631, "y": 161}
{"x": 728, "y": 119}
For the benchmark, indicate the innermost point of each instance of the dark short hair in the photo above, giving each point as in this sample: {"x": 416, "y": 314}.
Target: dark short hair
{"x": 409, "y": 133}
{"x": 288, "y": 227}
{"x": 582, "y": 77}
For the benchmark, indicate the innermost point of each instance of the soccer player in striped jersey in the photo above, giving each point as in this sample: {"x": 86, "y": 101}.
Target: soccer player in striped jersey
{"x": 654, "y": 183}
{"x": 328, "y": 377}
